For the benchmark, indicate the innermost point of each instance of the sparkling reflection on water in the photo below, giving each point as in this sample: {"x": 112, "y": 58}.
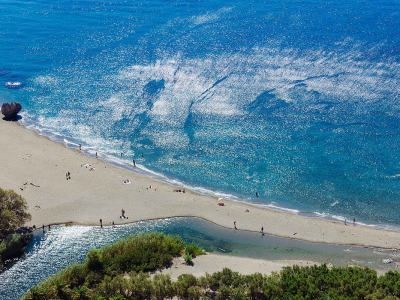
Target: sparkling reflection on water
{"x": 62, "y": 245}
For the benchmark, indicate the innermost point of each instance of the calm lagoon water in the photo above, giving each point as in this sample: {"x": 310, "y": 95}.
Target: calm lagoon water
{"x": 62, "y": 245}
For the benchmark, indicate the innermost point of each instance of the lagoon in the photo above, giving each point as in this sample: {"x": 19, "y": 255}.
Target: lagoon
{"x": 52, "y": 251}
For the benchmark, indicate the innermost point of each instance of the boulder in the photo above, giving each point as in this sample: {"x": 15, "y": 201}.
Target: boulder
{"x": 10, "y": 110}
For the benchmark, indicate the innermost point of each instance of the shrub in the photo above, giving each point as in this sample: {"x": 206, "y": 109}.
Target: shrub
{"x": 75, "y": 274}
{"x": 35, "y": 293}
{"x": 162, "y": 287}
{"x": 194, "y": 250}
{"x": 223, "y": 292}
{"x": 81, "y": 293}
{"x": 143, "y": 252}
{"x": 388, "y": 284}
{"x": 93, "y": 261}
{"x": 188, "y": 259}
{"x": 272, "y": 286}
{"x": 92, "y": 279}
{"x": 13, "y": 245}
{"x": 183, "y": 284}
{"x": 254, "y": 283}
{"x": 141, "y": 285}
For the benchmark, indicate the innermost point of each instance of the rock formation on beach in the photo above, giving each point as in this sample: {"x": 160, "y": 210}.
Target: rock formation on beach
{"x": 10, "y": 109}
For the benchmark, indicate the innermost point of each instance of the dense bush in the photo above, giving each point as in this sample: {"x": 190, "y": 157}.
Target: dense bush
{"x": 194, "y": 250}
{"x": 115, "y": 272}
{"x": 13, "y": 245}
{"x": 143, "y": 252}
{"x": 103, "y": 270}
{"x": 12, "y": 216}
{"x": 12, "y": 212}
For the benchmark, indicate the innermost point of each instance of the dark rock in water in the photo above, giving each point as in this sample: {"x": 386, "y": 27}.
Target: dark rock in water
{"x": 10, "y": 110}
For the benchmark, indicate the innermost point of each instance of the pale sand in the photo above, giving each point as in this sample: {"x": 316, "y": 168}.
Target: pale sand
{"x": 35, "y": 167}
{"x": 212, "y": 263}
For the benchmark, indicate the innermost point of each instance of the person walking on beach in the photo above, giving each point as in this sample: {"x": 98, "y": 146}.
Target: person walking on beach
{"x": 101, "y": 223}
{"x": 123, "y": 213}
{"x": 262, "y": 229}
{"x": 134, "y": 163}
{"x": 354, "y": 221}
{"x": 345, "y": 221}
{"x": 80, "y": 146}
{"x": 234, "y": 224}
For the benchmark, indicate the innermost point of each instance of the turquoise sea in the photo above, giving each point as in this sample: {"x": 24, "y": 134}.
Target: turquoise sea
{"x": 295, "y": 100}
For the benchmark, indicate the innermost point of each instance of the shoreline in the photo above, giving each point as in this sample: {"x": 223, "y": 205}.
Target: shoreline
{"x": 35, "y": 167}
{"x": 143, "y": 171}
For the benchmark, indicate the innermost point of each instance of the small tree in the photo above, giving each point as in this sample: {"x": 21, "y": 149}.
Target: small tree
{"x": 12, "y": 212}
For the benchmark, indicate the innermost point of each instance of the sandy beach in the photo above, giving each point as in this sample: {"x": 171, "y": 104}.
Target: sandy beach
{"x": 36, "y": 167}
{"x": 212, "y": 263}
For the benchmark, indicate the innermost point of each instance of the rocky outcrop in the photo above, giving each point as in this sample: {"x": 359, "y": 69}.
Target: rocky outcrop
{"x": 10, "y": 110}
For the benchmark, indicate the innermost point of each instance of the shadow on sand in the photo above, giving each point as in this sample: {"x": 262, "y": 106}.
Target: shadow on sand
{"x": 12, "y": 118}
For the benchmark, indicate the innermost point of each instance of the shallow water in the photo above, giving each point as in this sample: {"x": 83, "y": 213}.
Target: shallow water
{"x": 297, "y": 100}
{"x": 62, "y": 245}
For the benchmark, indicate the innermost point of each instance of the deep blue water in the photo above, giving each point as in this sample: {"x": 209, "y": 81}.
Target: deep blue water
{"x": 50, "y": 252}
{"x": 297, "y": 100}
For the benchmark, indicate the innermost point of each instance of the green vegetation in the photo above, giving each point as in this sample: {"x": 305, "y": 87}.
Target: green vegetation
{"x": 194, "y": 250}
{"x": 115, "y": 270}
{"x": 13, "y": 215}
{"x": 118, "y": 271}
{"x": 188, "y": 259}
{"x": 13, "y": 245}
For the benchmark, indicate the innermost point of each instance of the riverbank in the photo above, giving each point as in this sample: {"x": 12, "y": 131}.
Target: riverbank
{"x": 212, "y": 263}
{"x": 36, "y": 167}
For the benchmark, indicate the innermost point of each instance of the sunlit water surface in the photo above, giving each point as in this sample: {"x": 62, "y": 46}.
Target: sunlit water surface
{"x": 62, "y": 245}
{"x": 297, "y": 100}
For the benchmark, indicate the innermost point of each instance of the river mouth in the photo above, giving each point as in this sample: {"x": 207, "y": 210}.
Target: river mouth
{"x": 53, "y": 250}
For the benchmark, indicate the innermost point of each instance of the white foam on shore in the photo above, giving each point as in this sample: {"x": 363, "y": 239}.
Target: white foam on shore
{"x": 112, "y": 158}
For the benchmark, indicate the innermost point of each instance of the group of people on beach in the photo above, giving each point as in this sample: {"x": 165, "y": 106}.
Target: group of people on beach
{"x": 354, "y": 221}
{"x": 234, "y": 225}
{"x": 133, "y": 161}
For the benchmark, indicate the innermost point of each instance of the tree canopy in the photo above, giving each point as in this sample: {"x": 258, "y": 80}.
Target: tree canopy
{"x": 12, "y": 212}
